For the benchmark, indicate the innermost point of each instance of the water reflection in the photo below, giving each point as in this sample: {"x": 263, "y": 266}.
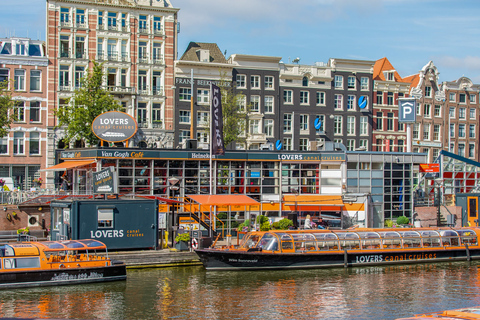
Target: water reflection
{"x": 193, "y": 293}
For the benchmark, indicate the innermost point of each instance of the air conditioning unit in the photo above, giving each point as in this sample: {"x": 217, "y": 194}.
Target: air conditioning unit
{"x": 33, "y": 221}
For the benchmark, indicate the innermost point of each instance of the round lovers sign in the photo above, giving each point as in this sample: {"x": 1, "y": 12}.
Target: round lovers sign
{"x": 114, "y": 126}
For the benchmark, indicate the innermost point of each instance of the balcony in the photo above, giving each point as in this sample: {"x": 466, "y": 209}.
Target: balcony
{"x": 158, "y": 60}
{"x": 81, "y": 54}
{"x": 143, "y": 89}
{"x": 81, "y": 25}
{"x": 124, "y": 56}
{"x": 158, "y": 32}
{"x": 143, "y": 58}
{"x": 64, "y": 86}
{"x": 158, "y": 124}
{"x": 64, "y": 53}
{"x": 112, "y": 27}
{"x": 100, "y": 56}
{"x": 158, "y": 91}
{"x": 142, "y": 123}
{"x": 120, "y": 89}
{"x": 142, "y": 29}
{"x": 112, "y": 56}
{"x": 66, "y": 24}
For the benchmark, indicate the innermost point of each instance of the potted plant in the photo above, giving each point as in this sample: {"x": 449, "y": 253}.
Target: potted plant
{"x": 37, "y": 182}
{"x": 402, "y": 221}
{"x": 23, "y": 233}
{"x": 181, "y": 241}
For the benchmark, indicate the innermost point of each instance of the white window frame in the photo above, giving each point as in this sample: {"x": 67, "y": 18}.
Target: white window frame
{"x": 269, "y": 82}
{"x": 255, "y": 82}
{"x": 241, "y": 81}
{"x": 269, "y": 104}
{"x": 338, "y": 82}
{"x": 321, "y": 98}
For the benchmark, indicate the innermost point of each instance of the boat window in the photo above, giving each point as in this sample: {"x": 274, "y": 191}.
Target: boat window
{"x": 349, "y": 240}
{"x": 93, "y": 243}
{"x": 467, "y": 236}
{"x": 391, "y": 239}
{"x": 9, "y": 252}
{"x": 53, "y": 245}
{"x": 411, "y": 239}
{"x": 304, "y": 241}
{"x": 251, "y": 241}
{"x": 326, "y": 241}
{"x": 2, "y": 251}
{"x": 268, "y": 242}
{"x": 21, "y": 263}
{"x": 430, "y": 238}
{"x": 449, "y": 237}
{"x": 370, "y": 240}
{"x": 287, "y": 241}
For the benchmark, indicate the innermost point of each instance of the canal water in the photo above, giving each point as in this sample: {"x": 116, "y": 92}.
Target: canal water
{"x": 386, "y": 292}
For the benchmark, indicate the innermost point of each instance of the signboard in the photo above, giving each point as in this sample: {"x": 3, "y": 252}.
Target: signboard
{"x": 217, "y": 121}
{"x": 317, "y": 124}
{"x": 362, "y": 102}
{"x": 429, "y": 167}
{"x": 104, "y": 181}
{"x": 114, "y": 126}
{"x": 407, "y": 110}
{"x": 278, "y": 145}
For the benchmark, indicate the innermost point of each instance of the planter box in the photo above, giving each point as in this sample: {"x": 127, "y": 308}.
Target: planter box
{"x": 181, "y": 246}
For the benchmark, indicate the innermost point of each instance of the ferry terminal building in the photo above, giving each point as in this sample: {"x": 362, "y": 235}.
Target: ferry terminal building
{"x": 365, "y": 187}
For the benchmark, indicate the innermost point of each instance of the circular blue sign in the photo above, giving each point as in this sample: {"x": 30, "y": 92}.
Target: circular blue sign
{"x": 362, "y": 102}
{"x": 317, "y": 123}
{"x": 278, "y": 145}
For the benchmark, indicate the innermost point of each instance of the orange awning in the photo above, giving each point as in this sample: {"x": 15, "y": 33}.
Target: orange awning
{"x": 69, "y": 165}
{"x": 223, "y": 200}
{"x": 313, "y": 202}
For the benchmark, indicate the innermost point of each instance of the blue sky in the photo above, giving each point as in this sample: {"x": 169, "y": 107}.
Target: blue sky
{"x": 409, "y": 33}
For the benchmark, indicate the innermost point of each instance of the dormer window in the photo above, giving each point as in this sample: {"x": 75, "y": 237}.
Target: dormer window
{"x": 203, "y": 55}
{"x": 20, "y": 49}
{"x": 305, "y": 82}
{"x": 7, "y": 48}
{"x": 390, "y": 76}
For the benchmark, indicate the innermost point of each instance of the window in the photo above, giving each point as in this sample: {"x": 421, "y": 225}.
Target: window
{"x": 255, "y": 104}
{"x": 472, "y": 113}
{"x": 363, "y": 126}
{"x": 287, "y": 96}
{"x": 379, "y": 121}
{"x": 462, "y": 98}
{"x": 242, "y": 102}
{"x": 184, "y": 94}
{"x": 471, "y": 150}
{"x": 452, "y": 130}
{"x": 303, "y": 146}
{"x": 142, "y": 50}
{"x": 473, "y": 98}
{"x": 351, "y": 125}
{"x": 338, "y": 102}
{"x": 451, "y": 112}
{"x": 202, "y": 118}
{"x": 157, "y": 25}
{"x": 100, "y": 18}
{"x": 268, "y": 127}
{"x": 268, "y": 101}
{"x": 79, "y": 73}
{"x": 305, "y": 82}
{"x": 34, "y": 143}
{"x": 142, "y": 114}
{"x": 303, "y": 97}
{"x": 287, "y": 123}
{"x": 437, "y": 111}
{"x": 184, "y": 116}
{"x": 461, "y": 149}
{"x": 142, "y": 23}
{"x": 64, "y": 16}
{"x": 203, "y": 96}
{"x": 4, "y": 145}
{"x": 287, "y": 143}
{"x": 428, "y": 92}
{"x": 142, "y": 81}
{"x": 390, "y": 98}
{"x": 64, "y": 76}
{"x": 401, "y": 147}
{"x": 157, "y": 82}
{"x": 34, "y": 111}
{"x": 254, "y": 82}
{"x": 64, "y": 46}
{"x": 268, "y": 82}
{"x": 105, "y": 218}
{"x": 390, "y": 121}
{"x": 241, "y": 81}
{"x": 321, "y": 119}
{"x": 416, "y": 131}
{"x": 35, "y": 80}
{"x": 338, "y": 82}
{"x": 124, "y": 50}
{"x": 462, "y": 113}
{"x": 3, "y": 75}
{"x": 427, "y": 110}
{"x": 426, "y": 131}
{"x": 123, "y": 78}
{"x": 451, "y": 97}
{"x": 19, "y": 77}
{"x": 157, "y": 52}
{"x": 436, "y": 132}
{"x": 471, "y": 131}
{"x": 80, "y": 17}
{"x": 254, "y": 126}
{"x": 461, "y": 130}
{"x": 320, "y": 98}
{"x": 351, "y": 82}
{"x": 18, "y": 142}
{"x": 435, "y": 153}
{"x": 304, "y": 122}
{"x": 350, "y": 144}
{"x": 379, "y": 97}
{"x": 351, "y": 102}
{"x": 157, "y": 115}
{"x": 19, "y": 111}
{"x": 337, "y": 125}
{"x": 363, "y": 83}
{"x": 124, "y": 21}
{"x": 100, "y": 48}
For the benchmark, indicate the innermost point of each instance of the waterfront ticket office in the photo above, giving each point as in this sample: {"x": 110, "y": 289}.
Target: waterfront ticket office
{"x": 470, "y": 206}
{"x": 120, "y": 224}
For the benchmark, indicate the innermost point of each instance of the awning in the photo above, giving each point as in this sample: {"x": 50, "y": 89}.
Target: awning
{"x": 69, "y": 165}
{"x": 223, "y": 202}
{"x": 313, "y": 202}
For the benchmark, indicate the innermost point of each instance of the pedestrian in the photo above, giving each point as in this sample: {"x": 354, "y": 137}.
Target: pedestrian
{"x": 308, "y": 222}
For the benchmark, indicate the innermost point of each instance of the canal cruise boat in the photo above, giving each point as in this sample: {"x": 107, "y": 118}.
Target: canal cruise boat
{"x": 282, "y": 249}
{"x": 52, "y": 263}
{"x": 457, "y": 314}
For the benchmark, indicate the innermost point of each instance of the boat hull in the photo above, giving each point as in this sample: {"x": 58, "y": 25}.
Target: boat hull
{"x": 56, "y": 277}
{"x": 214, "y": 259}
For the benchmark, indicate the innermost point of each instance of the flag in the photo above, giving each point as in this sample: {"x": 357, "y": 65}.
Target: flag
{"x": 218, "y": 147}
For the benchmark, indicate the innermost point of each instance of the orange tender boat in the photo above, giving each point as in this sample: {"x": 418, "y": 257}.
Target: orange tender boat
{"x": 457, "y": 314}
{"x": 48, "y": 263}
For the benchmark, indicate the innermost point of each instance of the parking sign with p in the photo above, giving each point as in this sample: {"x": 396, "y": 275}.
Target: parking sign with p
{"x": 407, "y": 110}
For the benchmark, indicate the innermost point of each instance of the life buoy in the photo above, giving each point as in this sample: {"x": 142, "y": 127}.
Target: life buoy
{"x": 194, "y": 243}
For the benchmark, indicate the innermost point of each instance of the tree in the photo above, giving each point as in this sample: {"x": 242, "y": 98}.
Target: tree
{"x": 6, "y": 103}
{"x": 87, "y": 102}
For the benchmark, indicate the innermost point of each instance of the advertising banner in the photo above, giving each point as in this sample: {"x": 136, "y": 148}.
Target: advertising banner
{"x": 218, "y": 147}
{"x": 104, "y": 181}
{"x": 114, "y": 126}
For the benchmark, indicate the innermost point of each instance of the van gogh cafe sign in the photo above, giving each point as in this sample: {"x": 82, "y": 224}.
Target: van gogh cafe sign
{"x": 114, "y": 126}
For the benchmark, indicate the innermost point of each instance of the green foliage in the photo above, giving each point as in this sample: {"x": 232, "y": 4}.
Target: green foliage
{"x": 283, "y": 224}
{"x": 388, "y": 223}
{"x": 262, "y": 219}
{"x": 23, "y": 230}
{"x": 402, "y": 220}
{"x": 182, "y": 237}
{"x": 265, "y": 226}
{"x": 89, "y": 101}
{"x": 245, "y": 224}
{"x": 6, "y": 104}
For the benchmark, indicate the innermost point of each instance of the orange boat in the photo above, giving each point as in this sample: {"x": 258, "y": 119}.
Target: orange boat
{"x": 48, "y": 263}
{"x": 457, "y": 314}
{"x": 282, "y": 249}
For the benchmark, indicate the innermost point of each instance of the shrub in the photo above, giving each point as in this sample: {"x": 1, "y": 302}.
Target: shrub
{"x": 283, "y": 224}
{"x": 265, "y": 226}
{"x": 402, "y": 220}
{"x": 245, "y": 226}
{"x": 388, "y": 223}
{"x": 182, "y": 237}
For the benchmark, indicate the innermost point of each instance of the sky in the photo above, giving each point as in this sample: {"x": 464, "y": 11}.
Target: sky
{"x": 410, "y": 33}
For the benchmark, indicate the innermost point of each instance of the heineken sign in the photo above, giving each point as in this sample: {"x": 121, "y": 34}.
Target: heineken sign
{"x": 103, "y": 181}
{"x": 114, "y": 126}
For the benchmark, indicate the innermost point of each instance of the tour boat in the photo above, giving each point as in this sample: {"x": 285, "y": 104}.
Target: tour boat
{"x": 282, "y": 249}
{"x": 457, "y": 314}
{"x": 52, "y": 263}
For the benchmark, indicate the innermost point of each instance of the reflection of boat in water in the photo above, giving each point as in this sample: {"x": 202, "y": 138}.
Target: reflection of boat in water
{"x": 281, "y": 249}
{"x": 30, "y": 264}
{"x": 457, "y": 314}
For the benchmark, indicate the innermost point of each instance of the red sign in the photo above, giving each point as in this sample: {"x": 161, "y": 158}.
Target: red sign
{"x": 429, "y": 167}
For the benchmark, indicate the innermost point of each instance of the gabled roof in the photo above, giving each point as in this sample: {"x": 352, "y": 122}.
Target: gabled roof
{"x": 413, "y": 79}
{"x": 191, "y": 53}
{"x": 383, "y": 65}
